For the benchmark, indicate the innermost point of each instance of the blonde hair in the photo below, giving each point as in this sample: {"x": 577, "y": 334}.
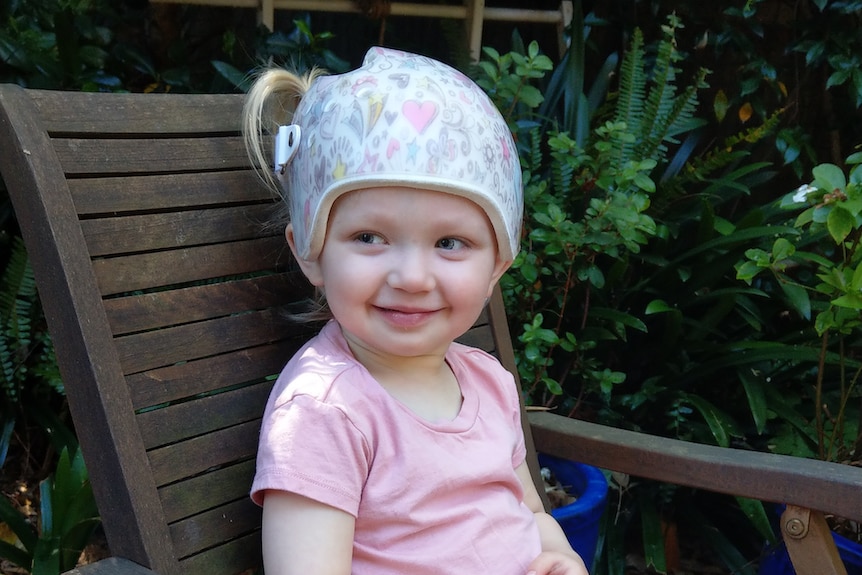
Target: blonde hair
{"x": 270, "y": 102}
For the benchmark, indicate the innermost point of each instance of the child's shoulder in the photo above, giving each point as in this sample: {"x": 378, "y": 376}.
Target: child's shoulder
{"x": 473, "y": 357}
{"x": 319, "y": 365}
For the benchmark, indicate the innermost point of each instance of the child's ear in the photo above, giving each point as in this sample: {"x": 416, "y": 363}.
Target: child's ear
{"x": 311, "y": 269}
{"x": 499, "y": 269}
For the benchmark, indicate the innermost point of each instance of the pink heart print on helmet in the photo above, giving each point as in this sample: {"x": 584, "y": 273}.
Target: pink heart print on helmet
{"x": 398, "y": 120}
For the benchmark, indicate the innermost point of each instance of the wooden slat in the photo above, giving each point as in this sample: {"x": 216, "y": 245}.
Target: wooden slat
{"x": 153, "y": 349}
{"x": 191, "y": 418}
{"x": 821, "y": 485}
{"x": 119, "y": 194}
{"x": 204, "y": 492}
{"x": 137, "y": 114}
{"x": 166, "y": 308}
{"x": 213, "y": 527}
{"x": 229, "y": 559}
{"x": 192, "y": 378}
{"x": 139, "y": 156}
{"x": 195, "y": 456}
{"x": 145, "y": 271}
{"x": 120, "y": 235}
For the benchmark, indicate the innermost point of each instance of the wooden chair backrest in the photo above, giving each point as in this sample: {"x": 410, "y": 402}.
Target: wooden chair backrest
{"x": 164, "y": 292}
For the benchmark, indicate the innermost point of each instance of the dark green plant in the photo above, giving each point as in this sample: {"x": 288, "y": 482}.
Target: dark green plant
{"x": 51, "y": 44}
{"x": 29, "y": 378}
{"x": 587, "y": 214}
{"x": 815, "y": 268}
{"x": 299, "y": 50}
{"x": 625, "y": 283}
{"x": 67, "y": 517}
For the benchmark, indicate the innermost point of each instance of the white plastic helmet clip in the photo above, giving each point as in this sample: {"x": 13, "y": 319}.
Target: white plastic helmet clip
{"x": 286, "y": 144}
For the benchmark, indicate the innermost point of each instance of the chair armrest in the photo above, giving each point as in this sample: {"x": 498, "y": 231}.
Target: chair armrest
{"x": 821, "y": 485}
{"x": 111, "y": 566}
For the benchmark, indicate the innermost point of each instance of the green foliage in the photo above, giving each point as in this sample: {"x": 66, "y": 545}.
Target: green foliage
{"x": 60, "y": 44}
{"x": 299, "y": 50}
{"x": 623, "y": 299}
{"x": 805, "y": 61}
{"x": 26, "y": 352}
{"x": 815, "y": 268}
{"x": 29, "y": 377}
{"x": 68, "y": 517}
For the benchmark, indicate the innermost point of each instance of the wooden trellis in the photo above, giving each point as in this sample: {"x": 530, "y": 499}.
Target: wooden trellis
{"x": 474, "y": 13}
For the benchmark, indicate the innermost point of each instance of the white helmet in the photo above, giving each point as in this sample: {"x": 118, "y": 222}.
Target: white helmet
{"x": 398, "y": 120}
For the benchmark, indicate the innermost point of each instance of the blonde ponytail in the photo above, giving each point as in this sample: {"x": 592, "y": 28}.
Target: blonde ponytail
{"x": 270, "y": 102}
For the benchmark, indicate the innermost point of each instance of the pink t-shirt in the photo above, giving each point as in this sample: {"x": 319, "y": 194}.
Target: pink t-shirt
{"x": 429, "y": 498}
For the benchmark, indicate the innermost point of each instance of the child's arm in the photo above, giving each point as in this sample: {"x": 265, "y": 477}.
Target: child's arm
{"x": 557, "y": 557}
{"x": 302, "y": 536}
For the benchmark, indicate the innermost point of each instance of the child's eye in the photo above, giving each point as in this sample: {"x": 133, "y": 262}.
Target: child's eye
{"x": 450, "y": 244}
{"x": 368, "y": 238}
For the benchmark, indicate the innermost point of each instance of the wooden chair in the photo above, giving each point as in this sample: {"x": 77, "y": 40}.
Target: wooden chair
{"x": 163, "y": 294}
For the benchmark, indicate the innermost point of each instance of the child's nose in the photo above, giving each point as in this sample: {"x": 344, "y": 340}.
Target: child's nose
{"x": 411, "y": 271}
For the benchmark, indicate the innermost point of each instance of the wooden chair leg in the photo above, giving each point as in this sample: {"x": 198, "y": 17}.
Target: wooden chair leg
{"x": 809, "y": 542}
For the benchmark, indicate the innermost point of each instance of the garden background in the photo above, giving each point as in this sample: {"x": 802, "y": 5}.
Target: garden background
{"x": 691, "y": 262}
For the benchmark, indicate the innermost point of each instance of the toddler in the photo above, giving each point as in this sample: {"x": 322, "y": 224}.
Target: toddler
{"x": 385, "y": 447}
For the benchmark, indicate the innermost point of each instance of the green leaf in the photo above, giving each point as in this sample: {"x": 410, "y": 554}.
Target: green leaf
{"x": 856, "y": 281}
{"x": 720, "y": 424}
{"x": 653, "y": 535}
{"x": 594, "y": 274}
{"x": 798, "y": 298}
{"x": 62, "y": 491}
{"x": 782, "y": 249}
{"x": 46, "y": 559}
{"x": 657, "y": 306}
{"x": 748, "y": 270}
{"x": 553, "y": 385}
{"x": 850, "y": 300}
{"x": 756, "y": 399}
{"x": 239, "y": 79}
{"x": 755, "y": 512}
{"x": 644, "y": 182}
{"x": 618, "y": 316}
{"x": 780, "y": 407}
{"x": 722, "y": 547}
{"x": 615, "y": 543}
{"x": 829, "y": 177}
{"x": 840, "y": 223}
{"x": 531, "y": 96}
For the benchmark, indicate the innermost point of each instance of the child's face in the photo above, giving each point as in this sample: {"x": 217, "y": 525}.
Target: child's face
{"x": 405, "y": 271}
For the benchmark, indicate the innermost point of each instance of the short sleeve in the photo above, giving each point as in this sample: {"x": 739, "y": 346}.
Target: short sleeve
{"x": 519, "y": 453}
{"x": 311, "y": 448}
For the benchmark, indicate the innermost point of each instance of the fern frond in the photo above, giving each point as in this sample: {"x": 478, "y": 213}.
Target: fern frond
{"x": 631, "y": 94}
{"x": 674, "y": 116}
{"x": 535, "y": 150}
{"x": 18, "y": 300}
{"x": 659, "y": 100}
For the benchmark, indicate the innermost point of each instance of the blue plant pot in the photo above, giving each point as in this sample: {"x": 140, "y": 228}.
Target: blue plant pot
{"x": 776, "y": 561}
{"x": 580, "y": 520}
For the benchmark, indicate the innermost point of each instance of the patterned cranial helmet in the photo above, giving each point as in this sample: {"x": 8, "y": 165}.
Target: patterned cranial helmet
{"x": 398, "y": 120}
